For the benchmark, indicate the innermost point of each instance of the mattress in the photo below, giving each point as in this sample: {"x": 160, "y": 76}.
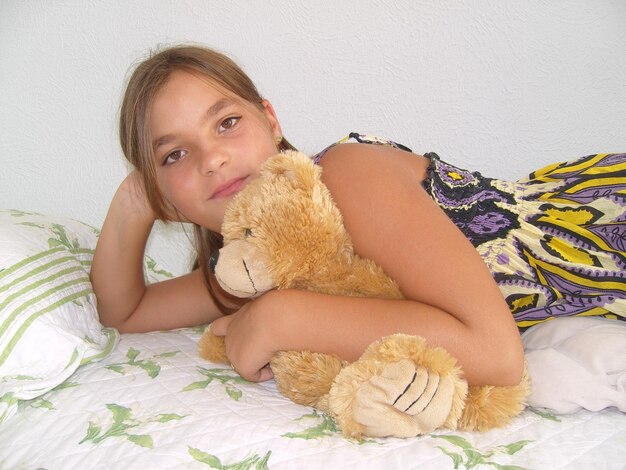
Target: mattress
{"x": 153, "y": 403}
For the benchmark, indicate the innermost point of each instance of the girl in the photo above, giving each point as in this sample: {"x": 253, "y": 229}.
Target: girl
{"x": 465, "y": 250}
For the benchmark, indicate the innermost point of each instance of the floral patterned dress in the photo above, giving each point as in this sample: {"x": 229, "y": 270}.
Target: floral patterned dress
{"x": 555, "y": 242}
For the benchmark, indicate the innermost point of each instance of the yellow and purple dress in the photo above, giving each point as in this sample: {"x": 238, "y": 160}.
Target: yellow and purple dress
{"x": 555, "y": 241}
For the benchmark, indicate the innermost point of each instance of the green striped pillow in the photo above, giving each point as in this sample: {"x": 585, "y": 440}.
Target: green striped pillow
{"x": 48, "y": 320}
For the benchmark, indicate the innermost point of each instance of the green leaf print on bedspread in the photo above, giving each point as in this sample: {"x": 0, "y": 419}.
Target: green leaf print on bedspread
{"x": 325, "y": 427}
{"x": 225, "y": 376}
{"x": 544, "y": 414}
{"x": 123, "y": 421}
{"x": 254, "y": 461}
{"x": 45, "y": 401}
{"x": 474, "y": 458}
{"x": 149, "y": 365}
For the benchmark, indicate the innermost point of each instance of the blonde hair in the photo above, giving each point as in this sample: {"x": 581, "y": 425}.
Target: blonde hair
{"x": 143, "y": 85}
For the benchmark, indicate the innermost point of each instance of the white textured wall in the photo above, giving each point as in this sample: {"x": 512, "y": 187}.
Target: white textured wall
{"x": 499, "y": 86}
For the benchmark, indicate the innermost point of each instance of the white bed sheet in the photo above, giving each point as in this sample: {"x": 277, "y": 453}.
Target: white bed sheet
{"x": 153, "y": 403}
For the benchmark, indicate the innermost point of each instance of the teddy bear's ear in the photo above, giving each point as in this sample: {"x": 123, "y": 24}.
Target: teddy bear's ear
{"x": 289, "y": 174}
{"x": 300, "y": 170}
{"x": 292, "y": 165}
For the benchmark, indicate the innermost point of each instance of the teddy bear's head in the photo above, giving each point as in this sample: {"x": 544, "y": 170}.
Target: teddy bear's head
{"x": 281, "y": 230}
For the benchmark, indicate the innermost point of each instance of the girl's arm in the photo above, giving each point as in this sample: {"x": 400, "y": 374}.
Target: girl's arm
{"x": 452, "y": 299}
{"x": 124, "y": 300}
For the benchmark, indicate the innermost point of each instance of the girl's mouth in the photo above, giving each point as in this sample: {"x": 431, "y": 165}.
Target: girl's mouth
{"x": 229, "y": 188}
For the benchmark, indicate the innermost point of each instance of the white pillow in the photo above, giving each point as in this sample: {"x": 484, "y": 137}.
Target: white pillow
{"x": 576, "y": 363}
{"x": 48, "y": 320}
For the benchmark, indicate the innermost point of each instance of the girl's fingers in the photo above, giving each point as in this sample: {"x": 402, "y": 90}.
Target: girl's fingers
{"x": 219, "y": 326}
{"x": 261, "y": 375}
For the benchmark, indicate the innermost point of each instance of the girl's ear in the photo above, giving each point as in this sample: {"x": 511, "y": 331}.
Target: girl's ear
{"x": 270, "y": 114}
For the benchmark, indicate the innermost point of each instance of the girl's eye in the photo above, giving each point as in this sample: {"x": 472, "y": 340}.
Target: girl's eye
{"x": 174, "y": 156}
{"x": 229, "y": 123}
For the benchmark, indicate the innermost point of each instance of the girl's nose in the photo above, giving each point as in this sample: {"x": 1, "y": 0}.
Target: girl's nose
{"x": 212, "y": 160}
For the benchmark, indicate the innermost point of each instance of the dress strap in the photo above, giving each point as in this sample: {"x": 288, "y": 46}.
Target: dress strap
{"x": 362, "y": 139}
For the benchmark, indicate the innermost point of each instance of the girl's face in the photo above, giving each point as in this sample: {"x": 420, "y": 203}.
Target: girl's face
{"x": 208, "y": 144}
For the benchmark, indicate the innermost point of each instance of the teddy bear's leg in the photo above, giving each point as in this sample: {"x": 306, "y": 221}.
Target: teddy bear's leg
{"x": 399, "y": 387}
{"x": 306, "y": 377}
{"x": 211, "y": 347}
{"x": 489, "y": 407}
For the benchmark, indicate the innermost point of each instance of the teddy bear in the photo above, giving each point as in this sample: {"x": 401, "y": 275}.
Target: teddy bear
{"x": 282, "y": 231}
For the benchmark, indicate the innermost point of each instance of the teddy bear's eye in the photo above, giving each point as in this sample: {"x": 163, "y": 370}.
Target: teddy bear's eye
{"x": 247, "y": 233}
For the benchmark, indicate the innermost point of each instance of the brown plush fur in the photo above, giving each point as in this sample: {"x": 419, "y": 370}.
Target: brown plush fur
{"x": 284, "y": 231}
{"x": 489, "y": 407}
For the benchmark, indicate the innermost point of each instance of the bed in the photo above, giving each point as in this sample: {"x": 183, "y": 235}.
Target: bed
{"x": 74, "y": 394}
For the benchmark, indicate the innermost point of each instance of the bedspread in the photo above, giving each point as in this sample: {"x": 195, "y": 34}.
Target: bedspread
{"x": 153, "y": 403}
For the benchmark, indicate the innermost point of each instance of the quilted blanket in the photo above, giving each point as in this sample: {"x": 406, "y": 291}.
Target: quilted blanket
{"x": 153, "y": 403}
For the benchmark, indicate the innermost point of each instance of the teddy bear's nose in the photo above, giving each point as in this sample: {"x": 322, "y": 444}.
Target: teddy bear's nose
{"x": 213, "y": 260}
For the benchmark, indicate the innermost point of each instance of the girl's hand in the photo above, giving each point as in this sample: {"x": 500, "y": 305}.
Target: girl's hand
{"x": 133, "y": 194}
{"x": 132, "y": 198}
{"x": 247, "y": 335}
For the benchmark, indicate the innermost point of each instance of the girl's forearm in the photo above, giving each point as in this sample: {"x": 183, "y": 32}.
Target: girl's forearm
{"x": 347, "y": 325}
{"x": 124, "y": 299}
{"x": 117, "y": 271}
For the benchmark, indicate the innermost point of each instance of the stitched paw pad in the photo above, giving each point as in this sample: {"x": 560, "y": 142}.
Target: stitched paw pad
{"x": 403, "y": 400}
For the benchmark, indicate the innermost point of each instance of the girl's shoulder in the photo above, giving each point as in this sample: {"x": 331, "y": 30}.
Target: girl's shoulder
{"x": 355, "y": 137}
{"x": 362, "y": 156}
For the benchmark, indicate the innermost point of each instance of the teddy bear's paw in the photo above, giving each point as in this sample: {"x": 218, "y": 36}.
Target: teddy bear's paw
{"x": 404, "y": 400}
{"x": 399, "y": 387}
